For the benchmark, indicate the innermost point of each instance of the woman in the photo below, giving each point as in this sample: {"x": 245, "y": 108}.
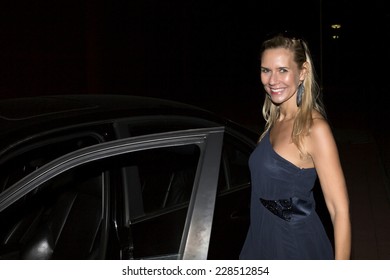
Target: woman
{"x": 296, "y": 146}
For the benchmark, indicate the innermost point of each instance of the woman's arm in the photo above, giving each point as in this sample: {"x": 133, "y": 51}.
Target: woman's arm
{"x": 323, "y": 150}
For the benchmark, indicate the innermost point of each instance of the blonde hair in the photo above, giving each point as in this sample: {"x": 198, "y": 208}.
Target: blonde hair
{"x": 311, "y": 99}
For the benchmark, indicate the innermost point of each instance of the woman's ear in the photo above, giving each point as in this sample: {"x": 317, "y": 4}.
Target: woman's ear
{"x": 304, "y": 71}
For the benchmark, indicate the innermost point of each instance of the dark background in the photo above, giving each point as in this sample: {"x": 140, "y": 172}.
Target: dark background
{"x": 202, "y": 52}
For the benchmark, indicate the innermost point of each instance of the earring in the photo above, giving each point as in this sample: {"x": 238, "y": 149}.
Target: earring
{"x": 300, "y": 91}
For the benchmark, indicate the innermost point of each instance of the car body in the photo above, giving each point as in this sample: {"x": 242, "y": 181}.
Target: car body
{"x": 121, "y": 177}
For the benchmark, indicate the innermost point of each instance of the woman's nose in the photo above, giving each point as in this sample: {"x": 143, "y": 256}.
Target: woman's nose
{"x": 273, "y": 79}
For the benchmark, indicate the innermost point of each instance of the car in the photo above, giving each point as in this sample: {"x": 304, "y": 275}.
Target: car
{"x": 121, "y": 177}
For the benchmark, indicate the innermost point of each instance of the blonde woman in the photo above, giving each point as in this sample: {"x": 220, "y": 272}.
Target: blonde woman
{"x": 297, "y": 146}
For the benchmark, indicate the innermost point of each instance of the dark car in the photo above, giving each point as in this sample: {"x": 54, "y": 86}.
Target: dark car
{"x": 121, "y": 177}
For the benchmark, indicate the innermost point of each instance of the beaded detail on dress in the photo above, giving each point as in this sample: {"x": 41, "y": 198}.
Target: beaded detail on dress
{"x": 288, "y": 209}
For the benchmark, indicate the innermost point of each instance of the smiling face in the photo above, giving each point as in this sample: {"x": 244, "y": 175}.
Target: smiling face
{"x": 280, "y": 75}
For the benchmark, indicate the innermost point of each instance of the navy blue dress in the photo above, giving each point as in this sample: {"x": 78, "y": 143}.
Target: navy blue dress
{"x": 284, "y": 223}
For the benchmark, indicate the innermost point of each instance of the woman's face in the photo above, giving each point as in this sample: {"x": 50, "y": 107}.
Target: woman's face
{"x": 279, "y": 74}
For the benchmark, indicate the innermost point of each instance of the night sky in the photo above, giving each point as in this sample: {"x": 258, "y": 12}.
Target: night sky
{"x": 197, "y": 51}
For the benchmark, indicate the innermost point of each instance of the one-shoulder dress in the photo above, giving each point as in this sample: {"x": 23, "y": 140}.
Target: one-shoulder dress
{"x": 284, "y": 224}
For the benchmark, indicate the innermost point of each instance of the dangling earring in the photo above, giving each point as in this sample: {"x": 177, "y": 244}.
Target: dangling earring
{"x": 300, "y": 91}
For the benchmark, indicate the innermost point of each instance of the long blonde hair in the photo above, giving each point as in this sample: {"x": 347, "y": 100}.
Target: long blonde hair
{"x": 311, "y": 99}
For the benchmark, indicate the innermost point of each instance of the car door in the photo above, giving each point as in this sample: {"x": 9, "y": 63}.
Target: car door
{"x": 93, "y": 203}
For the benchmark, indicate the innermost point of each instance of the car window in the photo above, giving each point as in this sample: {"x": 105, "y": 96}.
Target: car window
{"x": 234, "y": 170}
{"x": 60, "y": 219}
{"x": 32, "y": 156}
{"x": 64, "y": 218}
{"x": 166, "y": 177}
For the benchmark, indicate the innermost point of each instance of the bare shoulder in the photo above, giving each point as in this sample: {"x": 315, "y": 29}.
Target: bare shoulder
{"x": 320, "y": 126}
{"x": 320, "y": 135}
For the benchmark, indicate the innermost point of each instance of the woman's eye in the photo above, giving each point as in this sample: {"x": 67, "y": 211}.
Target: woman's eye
{"x": 263, "y": 70}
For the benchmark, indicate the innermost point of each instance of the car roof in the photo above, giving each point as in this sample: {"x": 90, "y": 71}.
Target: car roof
{"x": 23, "y": 117}
{"x": 72, "y": 109}
{"x": 44, "y": 107}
